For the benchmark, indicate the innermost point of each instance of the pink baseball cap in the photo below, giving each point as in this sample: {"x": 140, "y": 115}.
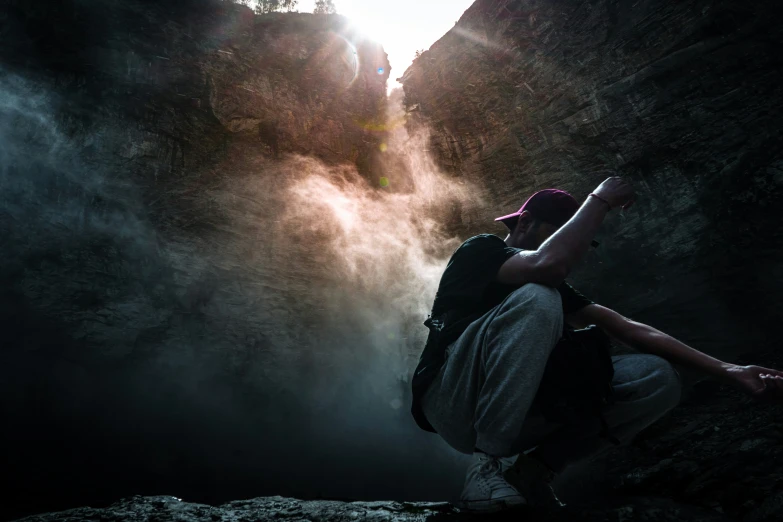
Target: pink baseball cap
{"x": 549, "y": 205}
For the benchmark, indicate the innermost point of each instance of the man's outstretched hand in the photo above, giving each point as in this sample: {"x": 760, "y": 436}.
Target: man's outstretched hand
{"x": 760, "y": 383}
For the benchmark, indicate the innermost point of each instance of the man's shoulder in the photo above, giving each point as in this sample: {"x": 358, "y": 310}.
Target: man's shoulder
{"x": 482, "y": 239}
{"x": 477, "y": 245}
{"x": 480, "y": 248}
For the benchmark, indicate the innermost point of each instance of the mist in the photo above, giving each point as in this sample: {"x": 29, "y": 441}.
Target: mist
{"x": 246, "y": 330}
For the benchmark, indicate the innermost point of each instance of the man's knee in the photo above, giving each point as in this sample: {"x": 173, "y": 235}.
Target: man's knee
{"x": 532, "y": 317}
{"x": 659, "y": 382}
{"x": 671, "y": 385}
{"x": 532, "y": 296}
{"x": 670, "y": 388}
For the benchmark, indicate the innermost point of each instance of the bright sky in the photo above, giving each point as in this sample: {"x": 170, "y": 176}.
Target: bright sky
{"x": 401, "y": 26}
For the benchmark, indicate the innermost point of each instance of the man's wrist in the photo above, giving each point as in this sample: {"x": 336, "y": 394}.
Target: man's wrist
{"x": 599, "y": 198}
{"x": 725, "y": 371}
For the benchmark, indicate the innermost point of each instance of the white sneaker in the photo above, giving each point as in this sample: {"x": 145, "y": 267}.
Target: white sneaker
{"x": 485, "y": 488}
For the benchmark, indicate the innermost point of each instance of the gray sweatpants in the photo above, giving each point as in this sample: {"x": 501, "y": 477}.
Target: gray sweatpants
{"x": 481, "y": 396}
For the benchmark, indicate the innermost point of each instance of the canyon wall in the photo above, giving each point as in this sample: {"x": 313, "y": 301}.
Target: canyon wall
{"x": 179, "y": 307}
{"x": 681, "y": 98}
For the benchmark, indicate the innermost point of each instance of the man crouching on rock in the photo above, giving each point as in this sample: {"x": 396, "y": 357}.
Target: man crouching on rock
{"x": 511, "y": 363}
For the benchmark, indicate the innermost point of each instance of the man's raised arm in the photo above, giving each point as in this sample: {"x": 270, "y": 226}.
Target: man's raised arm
{"x": 556, "y": 257}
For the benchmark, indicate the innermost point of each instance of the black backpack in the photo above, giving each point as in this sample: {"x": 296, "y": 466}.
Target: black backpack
{"x": 444, "y": 330}
{"x": 577, "y": 380}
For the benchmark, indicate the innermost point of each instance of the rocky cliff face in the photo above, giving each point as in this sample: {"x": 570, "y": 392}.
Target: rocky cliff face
{"x": 133, "y": 127}
{"x": 193, "y": 75}
{"x": 681, "y": 98}
{"x": 167, "y": 293}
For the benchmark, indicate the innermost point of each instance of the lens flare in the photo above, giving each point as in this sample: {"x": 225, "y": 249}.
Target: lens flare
{"x": 350, "y": 58}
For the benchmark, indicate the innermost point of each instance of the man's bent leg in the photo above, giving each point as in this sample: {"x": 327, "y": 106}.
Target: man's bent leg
{"x": 492, "y": 372}
{"x": 645, "y": 388}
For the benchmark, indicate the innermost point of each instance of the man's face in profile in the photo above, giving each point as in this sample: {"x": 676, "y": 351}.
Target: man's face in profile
{"x": 539, "y": 232}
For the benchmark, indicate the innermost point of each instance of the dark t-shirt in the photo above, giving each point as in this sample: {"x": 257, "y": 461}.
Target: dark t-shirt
{"x": 468, "y": 288}
{"x": 468, "y": 283}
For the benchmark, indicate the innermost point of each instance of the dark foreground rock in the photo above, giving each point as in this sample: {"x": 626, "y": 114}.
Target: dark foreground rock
{"x": 716, "y": 457}
{"x": 718, "y": 450}
{"x": 165, "y": 509}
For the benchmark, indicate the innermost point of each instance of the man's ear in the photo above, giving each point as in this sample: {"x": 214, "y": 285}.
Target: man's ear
{"x": 524, "y": 222}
